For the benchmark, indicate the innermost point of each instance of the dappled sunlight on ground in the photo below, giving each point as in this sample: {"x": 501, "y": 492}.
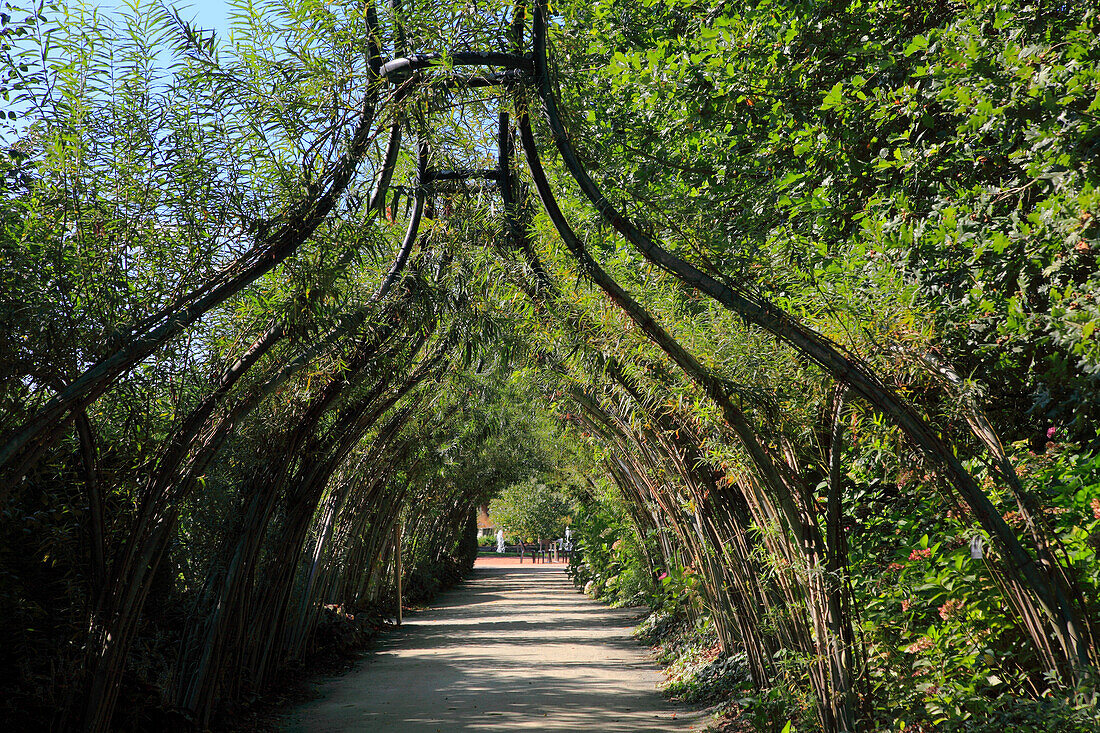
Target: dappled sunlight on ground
{"x": 514, "y": 648}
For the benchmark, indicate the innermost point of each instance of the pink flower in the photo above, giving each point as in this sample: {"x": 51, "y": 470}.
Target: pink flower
{"x": 894, "y": 567}
{"x": 662, "y": 576}
{"x": 906, "y": 605}
{"x": 951, "y": 608}
{"x": 1095, "y": 504}
{"x": 1051, "y": 431}
{"x": 922, "y": 644}
{"x": 920, "y": 554}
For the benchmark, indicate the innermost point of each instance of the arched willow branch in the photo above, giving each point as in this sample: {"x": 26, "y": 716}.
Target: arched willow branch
{"x": 845, "y": 368}
{"x": 795, "y": 517}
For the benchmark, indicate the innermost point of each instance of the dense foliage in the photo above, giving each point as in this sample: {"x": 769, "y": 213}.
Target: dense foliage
{"x": 918, "y": 183}
{"x": 797, "y": 302}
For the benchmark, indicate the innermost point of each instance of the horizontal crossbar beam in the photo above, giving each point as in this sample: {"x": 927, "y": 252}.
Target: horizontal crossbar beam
{"x": 465, "y": 174}
{"x": 478, "y": 81}
{"x": 415, "y": 62}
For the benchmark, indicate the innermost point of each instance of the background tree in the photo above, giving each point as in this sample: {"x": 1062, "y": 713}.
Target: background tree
{"x": 531, "y": 511}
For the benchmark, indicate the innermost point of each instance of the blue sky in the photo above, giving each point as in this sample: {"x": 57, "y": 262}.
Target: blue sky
{"x": 210, "y": 14}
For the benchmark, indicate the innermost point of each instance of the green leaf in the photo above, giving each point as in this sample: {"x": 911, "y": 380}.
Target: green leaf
{"x": 919, "y": 43}
{"x": 835, "y": 97}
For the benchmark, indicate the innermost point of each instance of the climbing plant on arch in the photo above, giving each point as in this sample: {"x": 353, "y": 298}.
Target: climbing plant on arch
{"x": 387, "y": 246}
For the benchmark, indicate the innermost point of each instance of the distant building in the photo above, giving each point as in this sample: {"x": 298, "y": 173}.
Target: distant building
{"x": 485, "y": 526}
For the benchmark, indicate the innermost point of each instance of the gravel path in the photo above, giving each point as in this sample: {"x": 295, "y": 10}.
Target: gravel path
{"x": 514, "y": 648}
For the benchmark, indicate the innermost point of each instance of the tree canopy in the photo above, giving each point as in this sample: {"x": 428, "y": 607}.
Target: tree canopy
{"x": 800, "y": 300}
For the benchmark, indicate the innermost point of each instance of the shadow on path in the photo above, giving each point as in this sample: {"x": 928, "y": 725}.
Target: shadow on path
{"x": 512, "y": 648}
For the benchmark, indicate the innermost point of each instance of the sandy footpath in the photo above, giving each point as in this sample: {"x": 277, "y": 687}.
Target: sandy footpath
{"x": 514, "y": 648}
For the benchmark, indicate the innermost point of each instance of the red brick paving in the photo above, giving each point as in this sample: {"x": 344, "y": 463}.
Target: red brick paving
{"x": 497, "y": 561}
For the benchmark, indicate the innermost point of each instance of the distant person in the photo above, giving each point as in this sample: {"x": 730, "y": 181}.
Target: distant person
{"x": 500, "y": 541}
{"x": 522, "y": 549}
